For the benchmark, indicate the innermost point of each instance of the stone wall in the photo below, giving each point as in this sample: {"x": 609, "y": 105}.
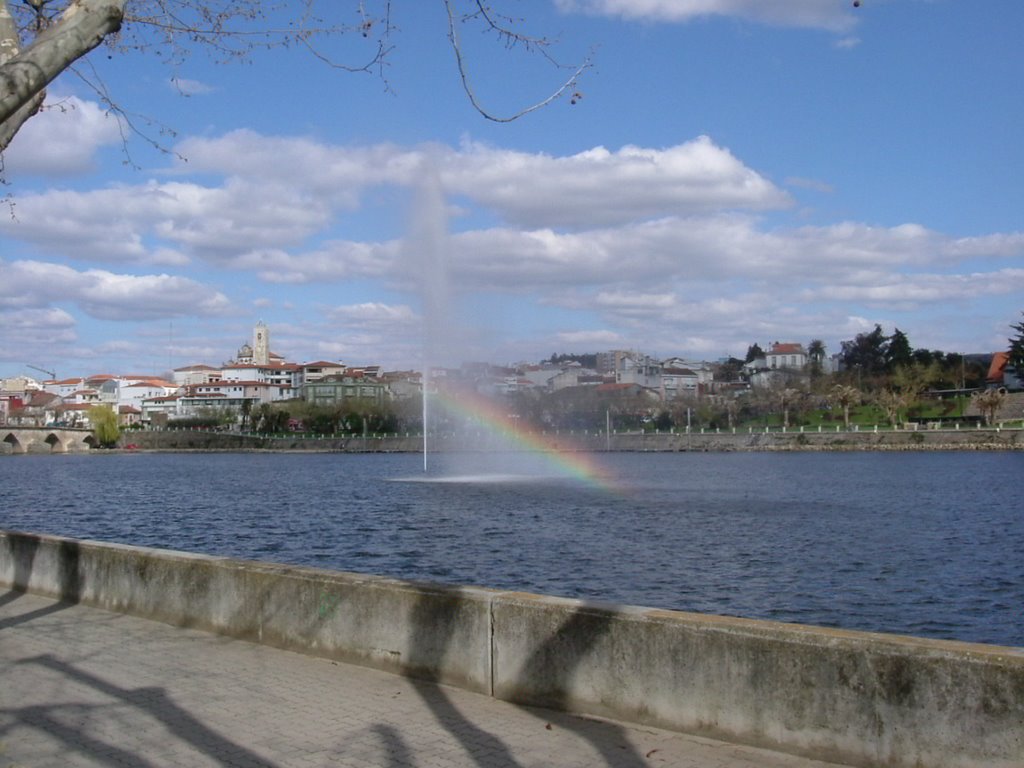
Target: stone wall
{"x": 776, "y": 440}
{"x": 858, "y": 698}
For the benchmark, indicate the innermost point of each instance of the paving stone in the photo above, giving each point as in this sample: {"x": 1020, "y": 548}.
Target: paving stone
{"x": 85, "y": 687}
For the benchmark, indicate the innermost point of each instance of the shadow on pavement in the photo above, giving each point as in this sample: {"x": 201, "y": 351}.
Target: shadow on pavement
{"x": 482, "y": 746}
{"x": 24, "y": 548}
{"x": 154, "y": 701}
{"x": 399, "y": 754}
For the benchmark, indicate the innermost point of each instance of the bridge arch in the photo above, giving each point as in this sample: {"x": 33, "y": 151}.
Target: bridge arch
{"x": 56, "y": 444}
{"x": 16, "y": 445}
{"x": 20, "y": 440}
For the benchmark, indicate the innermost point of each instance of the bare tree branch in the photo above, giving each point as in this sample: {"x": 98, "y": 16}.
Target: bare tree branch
{"x": 10, "y": 46}
{"x": 66, "y": 30}
{"x": 511, "y": 38}
{"x": 81, "y": 28}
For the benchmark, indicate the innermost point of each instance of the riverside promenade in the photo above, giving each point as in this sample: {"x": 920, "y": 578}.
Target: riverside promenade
{"x": 80, "y": 686}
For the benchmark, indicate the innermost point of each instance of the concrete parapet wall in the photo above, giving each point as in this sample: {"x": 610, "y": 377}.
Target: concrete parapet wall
{"x": 860, "y": 698}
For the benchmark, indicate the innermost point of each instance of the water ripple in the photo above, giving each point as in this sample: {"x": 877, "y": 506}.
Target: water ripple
{"x": 914, "y": 543}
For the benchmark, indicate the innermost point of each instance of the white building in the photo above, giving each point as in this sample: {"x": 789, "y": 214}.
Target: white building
{"x": 786, "y": 356}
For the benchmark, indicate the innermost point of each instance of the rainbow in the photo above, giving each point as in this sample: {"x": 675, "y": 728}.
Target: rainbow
{"x": 558, "y": 451}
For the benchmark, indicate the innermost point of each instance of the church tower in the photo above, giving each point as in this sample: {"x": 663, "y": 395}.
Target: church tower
{"x": 261, "y": 344}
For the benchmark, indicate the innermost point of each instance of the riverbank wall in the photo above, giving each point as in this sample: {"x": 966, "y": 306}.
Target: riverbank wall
{"x": 721, "y": 440}
{"x": 862, "y": 699}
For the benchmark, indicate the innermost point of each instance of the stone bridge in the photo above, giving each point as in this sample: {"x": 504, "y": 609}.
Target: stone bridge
{"x": 45, "y": 440}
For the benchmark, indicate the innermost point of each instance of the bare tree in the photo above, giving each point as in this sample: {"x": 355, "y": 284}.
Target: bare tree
{"x": 892, "y": 402}
{"x": 989, "y": 402}
{"x": 40, "y": 39}
{"x": 845, "y": 396}
{"x": 786, "y": 398}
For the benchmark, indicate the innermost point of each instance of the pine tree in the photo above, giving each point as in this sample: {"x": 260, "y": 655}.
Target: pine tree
{"x": 898, "y": 352}
{"x": 1017, "y": 347}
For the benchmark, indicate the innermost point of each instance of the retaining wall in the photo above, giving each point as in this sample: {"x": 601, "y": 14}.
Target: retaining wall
{"x": 791, "y": 440}
{"x": 859, "y": 698}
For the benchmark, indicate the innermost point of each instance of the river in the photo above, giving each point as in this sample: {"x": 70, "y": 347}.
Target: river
{"x": 928, "y": 544}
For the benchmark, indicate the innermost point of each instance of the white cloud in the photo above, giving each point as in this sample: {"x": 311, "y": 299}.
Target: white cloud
{"x": 591, "y": 339}
{"x": 599, "y": 187}
{"x": 26, "y": 333}
{"x": 375, "y": 313}
{"x": 913, "y": 290}
{"x": 825, "y": 14}
{"x": 330, "y": 172}
{"x": 187, "y": 87}
{"x": 106, "y": 295}
{"x": 61, "y": 140}
{"x": 333, "y": 262}
{"x": 591, "y": 187}
{"x": 659, "y": 247}
{"x": 40, "y": 323}
{"x": 162, "y": 223}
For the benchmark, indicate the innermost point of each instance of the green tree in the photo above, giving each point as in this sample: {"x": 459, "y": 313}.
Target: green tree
{"x": 104, "y": 425}
{"x": 898, "y": 352}
{"x": 866, "y": 353}
{"x": 754, "y": 351}
{"x": 913, "y": 379}
{"x": 728, "y": 370}
{"x": 816, "y": 358}
{"x": 1017, "y": 348}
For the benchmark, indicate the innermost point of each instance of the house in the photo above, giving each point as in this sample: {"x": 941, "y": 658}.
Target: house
{"x": 63, "y": 387}
{"x": 320, "y": 369}
{"x": 85, "y": 397}
{"x": 37, "y": 410}
{"x": 132, "y": 395}
{"x": 277, "y": 374}
{"x": 195, "y": 374}
{"x": 679, "y": 382}
{"x": 332, "y": 390}
{"x": 159, "y": 409}
{"x": 128, "y": 415}
{"x": 403, "y": 385}
{"x": 575, "y": 375}
{"x": 1002, "y": 373}
{"x": 18, "y": 385}
{"x": 786, "y": 356}
{"x": 232, "y": 394}
{"x": 7, "y": 404}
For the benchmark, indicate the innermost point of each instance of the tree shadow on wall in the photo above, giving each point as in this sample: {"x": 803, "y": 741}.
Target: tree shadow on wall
{"x": 556, "y": 661}
{"x": 557, "y": 658}
{"x": 24, "y": 549}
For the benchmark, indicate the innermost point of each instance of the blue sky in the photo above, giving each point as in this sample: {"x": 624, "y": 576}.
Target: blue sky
{"x": 736, "y": 171}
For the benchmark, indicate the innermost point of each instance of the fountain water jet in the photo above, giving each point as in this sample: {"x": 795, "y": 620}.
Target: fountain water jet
{"x": 428, "y": 241}
{"x": 505, "y": 444}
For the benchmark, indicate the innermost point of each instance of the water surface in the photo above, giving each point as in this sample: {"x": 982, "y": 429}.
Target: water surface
{"x": 918, "y": 543}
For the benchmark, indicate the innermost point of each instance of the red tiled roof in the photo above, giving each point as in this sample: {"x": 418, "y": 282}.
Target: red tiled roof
{"x": 786, "y": 349}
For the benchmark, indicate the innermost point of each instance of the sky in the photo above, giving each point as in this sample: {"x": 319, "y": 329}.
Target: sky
{"x": 731, "y": 172}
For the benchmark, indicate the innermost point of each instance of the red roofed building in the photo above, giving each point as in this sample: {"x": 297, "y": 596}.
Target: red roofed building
{"x": 786, "y": 355}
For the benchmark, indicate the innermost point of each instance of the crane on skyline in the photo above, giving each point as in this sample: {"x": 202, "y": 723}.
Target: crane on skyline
{"x": 51, "y": 374}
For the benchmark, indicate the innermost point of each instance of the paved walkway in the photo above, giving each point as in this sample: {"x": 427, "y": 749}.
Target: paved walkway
{"x": 84, "y": 687}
